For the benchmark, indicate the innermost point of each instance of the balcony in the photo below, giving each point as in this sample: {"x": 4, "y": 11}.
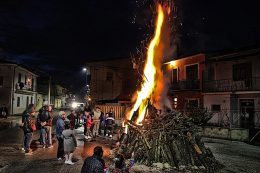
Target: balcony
{"x": 23, "y": 87}
{"x": 185, "y": 85}
{"x": 228, "y": 85}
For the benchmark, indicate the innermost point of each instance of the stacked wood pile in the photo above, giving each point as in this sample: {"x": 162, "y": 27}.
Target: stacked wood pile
{"x": 170, "y": 138}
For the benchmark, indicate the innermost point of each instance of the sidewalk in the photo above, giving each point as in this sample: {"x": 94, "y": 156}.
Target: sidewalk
{"x": 11, "y": 121}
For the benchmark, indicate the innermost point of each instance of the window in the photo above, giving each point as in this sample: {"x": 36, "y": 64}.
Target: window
{"x": 31, "y": 100}
{"x": 215, "y": 108}
{"x": 32, "y": 86}
{"x": 1, "y": 81}
{"x": 109, "y": 76}
{"x": 25, "y": 80}
{"x": 27, "y": 101}
{"x": 242, "y": 71}
{"x": 174, "y": 75}
{"x": 211, "y": 73}
{"x": 192, "y": 72}
{"x": 19, "y": 77}
{"x": 18, "y": 102}
{"x": 193, "y": 103}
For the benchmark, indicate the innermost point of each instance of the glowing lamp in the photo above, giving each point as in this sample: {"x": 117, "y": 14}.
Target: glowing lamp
{"x": 74, "y": 105}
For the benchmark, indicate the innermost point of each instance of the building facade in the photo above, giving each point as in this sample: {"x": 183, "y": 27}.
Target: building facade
{"x": 111, "y": 79}
{"x": 185, "y": 75}
{"x": 231, "y": 88}
{"x": 17, "y": 87}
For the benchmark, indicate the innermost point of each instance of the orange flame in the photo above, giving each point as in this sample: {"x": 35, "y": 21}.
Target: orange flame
{"x": 150, "y": 73}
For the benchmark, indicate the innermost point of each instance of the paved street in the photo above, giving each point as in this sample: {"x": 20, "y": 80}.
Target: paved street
{"x": 13, "y": 160}
{"x": 236, "y": 156}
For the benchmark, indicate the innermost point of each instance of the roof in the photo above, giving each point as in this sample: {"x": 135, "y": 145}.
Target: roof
{"x": 18, "y": 65}
{"x": 231, "y": 54}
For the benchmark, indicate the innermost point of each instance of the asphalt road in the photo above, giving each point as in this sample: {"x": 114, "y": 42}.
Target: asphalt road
{"x": 238, "y": 157}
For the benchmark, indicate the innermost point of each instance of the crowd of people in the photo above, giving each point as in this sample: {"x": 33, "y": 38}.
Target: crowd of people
{"x": 95, "y": 123}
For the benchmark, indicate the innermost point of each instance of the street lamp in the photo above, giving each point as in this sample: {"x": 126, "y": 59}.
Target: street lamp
{"x": 87, "y": 71}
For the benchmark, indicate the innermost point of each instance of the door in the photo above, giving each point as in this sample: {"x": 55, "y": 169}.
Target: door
{"x": 27, "y": 101}
{"x": 247, "y": 112}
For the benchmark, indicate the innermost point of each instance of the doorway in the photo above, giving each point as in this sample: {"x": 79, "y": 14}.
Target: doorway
{"x": 247, "y": 112}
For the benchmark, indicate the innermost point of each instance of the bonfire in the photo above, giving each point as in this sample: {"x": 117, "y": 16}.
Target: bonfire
{"x": 168, "y": 137}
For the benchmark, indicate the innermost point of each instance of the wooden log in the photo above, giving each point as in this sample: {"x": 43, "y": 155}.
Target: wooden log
{"x": 141, "y": 133}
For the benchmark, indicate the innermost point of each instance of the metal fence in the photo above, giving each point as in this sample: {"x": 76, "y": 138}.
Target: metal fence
{"x": 232, "y": 118}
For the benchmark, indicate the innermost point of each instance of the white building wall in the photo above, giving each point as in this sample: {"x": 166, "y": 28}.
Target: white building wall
{"x": 218, "y": 99}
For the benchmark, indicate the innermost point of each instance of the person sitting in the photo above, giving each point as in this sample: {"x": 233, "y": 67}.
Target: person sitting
{"x": 95, "y": 163}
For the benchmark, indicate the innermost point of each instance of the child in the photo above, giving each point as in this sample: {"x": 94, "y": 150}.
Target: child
{"x": 88, "y": 124}
{"x": 70, "y": 143}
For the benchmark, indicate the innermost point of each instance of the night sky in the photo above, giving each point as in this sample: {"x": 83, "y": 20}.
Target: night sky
{"x": 59, "y": 36}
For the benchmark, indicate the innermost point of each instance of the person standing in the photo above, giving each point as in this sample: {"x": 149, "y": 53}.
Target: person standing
{"x": 111, "y": 113}
{"x": 84, "y": 119}
{"x": 3, "y": 111}
{"x": 95, "y": 163}
{"x": 88, "y": 124}
{"x": 60, "y": 126}
{"x": 102, "y": 123}
{"x": 69, "y": 142}
{"x": 28, "y": 128}
{"x": 72, "y": 117}
{"x": 46, "y": 126}
{"x": 110, "y": 121}
{"x": 96, "y": 121}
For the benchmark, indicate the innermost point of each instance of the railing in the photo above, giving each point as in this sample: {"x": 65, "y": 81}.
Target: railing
{"x": 233, "y": 118}
{"x": 185, "y": 85}
{"x": 119, "y": 110}
{"x": 24, "y": 87}
{"x": 226, "y": 85}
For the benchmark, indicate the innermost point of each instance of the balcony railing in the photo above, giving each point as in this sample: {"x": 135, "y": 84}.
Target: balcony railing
{"x": 24, "y": 87}
{"x": 185, "y": 85}
{"x": 228, "y": 85}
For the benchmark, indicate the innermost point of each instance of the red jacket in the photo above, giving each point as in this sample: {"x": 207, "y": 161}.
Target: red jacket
{"x": 89, "y": 122}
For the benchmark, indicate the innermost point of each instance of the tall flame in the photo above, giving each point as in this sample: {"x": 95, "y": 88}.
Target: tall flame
{"x": 150, "y": 72}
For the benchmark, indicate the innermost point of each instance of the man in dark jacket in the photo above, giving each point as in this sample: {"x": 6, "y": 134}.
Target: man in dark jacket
{"x": 95, "y": 163}
{"x": 60, "y": 126}
{"x": 45, "y": 119}
{"x": 110, "y": 121}
{"x": 27, "y": 120}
